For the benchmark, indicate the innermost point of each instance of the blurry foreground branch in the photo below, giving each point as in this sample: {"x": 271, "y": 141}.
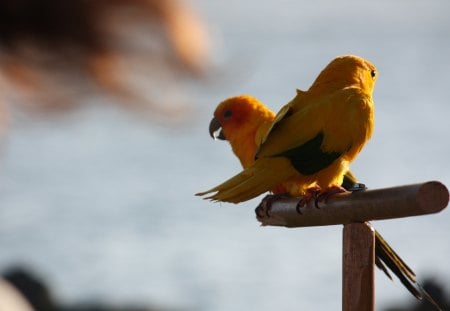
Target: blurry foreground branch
{"x": 53, "y": 52}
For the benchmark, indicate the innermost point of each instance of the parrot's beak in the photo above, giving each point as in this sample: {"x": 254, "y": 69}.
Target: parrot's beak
{"x": 215, "y": 129}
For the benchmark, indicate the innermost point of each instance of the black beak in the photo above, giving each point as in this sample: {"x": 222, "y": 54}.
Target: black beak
{"x": 215, "y": 129}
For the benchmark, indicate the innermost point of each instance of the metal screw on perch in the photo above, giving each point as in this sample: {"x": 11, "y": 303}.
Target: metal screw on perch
{"x": 353, "y": 210}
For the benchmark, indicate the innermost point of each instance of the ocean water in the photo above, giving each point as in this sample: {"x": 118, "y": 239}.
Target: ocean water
{"x": 100, "y": 203}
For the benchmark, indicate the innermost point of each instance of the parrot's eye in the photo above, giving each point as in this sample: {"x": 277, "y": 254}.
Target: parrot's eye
{"x": 373, "y": 73}
{"x": 227, "y": 114}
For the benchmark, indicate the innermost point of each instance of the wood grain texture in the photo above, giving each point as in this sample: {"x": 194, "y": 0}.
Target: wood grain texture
{"x": 358, "y": 262}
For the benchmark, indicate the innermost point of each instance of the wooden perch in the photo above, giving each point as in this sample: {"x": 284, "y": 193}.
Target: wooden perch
{"x": 411, "y": 200}
{"x": 353, "y": 209}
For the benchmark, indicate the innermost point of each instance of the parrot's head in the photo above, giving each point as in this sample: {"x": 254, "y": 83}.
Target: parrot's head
{"x": 237, "y": 115}
{"x": 346, "y": 71}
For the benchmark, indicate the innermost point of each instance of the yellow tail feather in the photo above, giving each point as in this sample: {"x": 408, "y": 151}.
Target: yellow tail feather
{"x": 261, "y": 177}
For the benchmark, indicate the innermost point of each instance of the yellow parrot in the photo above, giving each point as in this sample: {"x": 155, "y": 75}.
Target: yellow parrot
{"x": 313, "y": 138}
{"x": 243, "y": 121}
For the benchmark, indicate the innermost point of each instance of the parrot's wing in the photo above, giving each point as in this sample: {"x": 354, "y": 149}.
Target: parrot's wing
{"x": 314, "y": 132}
{"x": 345, "y": 117}
{"x": 284, "y": 112}
{"x": 299, "y": 136}
{"x": 309, "y": 158}
{"x": 292, "y": 128}
{"x": 262, "y": 131}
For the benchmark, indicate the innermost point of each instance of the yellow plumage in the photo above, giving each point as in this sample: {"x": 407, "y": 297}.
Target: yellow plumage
{"x": 313, "y": 138}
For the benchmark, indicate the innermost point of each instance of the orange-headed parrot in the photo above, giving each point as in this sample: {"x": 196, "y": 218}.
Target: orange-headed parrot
{"x": 313, "y": 138}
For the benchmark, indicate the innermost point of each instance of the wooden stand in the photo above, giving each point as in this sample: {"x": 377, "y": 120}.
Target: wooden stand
{"x": 353, "y": 210}
{"x": 358, "y": 272}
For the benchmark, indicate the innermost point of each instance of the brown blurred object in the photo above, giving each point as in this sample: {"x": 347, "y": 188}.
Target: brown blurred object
{"x": 53, "y": 53}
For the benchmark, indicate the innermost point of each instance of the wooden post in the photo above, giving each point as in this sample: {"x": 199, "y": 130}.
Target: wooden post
{"x": 358, "y": 261}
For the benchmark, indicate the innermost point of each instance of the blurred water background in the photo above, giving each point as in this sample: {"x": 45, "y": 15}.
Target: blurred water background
{"x": 100, "y": 201}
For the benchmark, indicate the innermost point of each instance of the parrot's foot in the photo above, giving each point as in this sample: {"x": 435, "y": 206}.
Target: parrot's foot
{"x": 263, "y": 209}
{"x": 324, "y": 196}
{"x": 311, "y": 193}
